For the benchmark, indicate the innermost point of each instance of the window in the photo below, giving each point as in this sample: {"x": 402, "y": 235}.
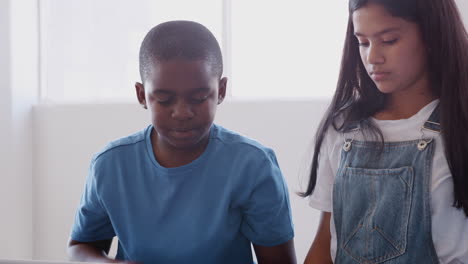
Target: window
{"x": 89, "y": 49}
{"x": 287, "y": 49}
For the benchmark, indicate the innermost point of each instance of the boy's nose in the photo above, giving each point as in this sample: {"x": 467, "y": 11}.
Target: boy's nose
{"x": 182, "y": 111}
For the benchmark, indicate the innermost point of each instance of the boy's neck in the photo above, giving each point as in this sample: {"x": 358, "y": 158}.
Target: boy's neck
{"x": 170, "y": 157}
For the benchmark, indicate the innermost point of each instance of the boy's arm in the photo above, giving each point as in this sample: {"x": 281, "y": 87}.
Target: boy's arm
{"x": 319, "y": 252}
{"x": 267, "y": 213}
{"x": 95, "y": 251}
{"x": 283, "y": 253}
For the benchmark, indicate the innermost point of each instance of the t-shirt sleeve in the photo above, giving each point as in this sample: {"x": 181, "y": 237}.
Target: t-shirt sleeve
{"x": 321, "y": 197}
{"x": 267, "y": 213}
{"x": 92, "y": 222}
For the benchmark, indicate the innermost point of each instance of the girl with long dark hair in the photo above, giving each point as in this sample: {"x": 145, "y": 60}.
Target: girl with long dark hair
{"x": 390, "y": 164}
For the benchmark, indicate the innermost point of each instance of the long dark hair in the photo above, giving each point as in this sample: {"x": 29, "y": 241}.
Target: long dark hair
{"x": 357, "y": 98}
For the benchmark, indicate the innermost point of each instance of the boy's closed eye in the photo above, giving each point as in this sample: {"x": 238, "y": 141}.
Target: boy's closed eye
{"x": 200, "y": 95}
{"x": 199, "y": 98}
{"x": 164, "y": 99}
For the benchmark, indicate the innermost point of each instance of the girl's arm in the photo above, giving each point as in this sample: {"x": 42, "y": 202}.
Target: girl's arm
{"x": 319, "y": 252}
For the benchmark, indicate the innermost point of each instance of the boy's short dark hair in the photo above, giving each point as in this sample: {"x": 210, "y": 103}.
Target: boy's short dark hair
{"x": 179, "y": 40}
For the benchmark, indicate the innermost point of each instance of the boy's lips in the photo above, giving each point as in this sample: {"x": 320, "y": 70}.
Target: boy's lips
{"x": 183, "y": 133}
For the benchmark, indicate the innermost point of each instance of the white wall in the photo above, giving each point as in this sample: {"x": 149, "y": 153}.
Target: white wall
{"x": 68, "y": 135}
{"x": 463, "y": 7}
{"x": 18, "y": 92}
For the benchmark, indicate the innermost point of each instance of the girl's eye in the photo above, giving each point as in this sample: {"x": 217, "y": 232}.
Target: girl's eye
{"x": 390, "y": 42}
{"x": 363, "y": 44}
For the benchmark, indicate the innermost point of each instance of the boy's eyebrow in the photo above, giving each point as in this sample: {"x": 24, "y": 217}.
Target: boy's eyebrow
{"x": 197, "y": 90}
{"x": 358, "y": 34}
{"x": 201, "y": 89}
{"x": 163, "y": 92}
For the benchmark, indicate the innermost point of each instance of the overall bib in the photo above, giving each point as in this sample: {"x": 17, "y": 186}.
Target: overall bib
{"x": 381, "y": 201}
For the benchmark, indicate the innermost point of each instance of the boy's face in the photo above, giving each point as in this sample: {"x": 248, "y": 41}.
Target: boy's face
{"x": 182, "y": 96}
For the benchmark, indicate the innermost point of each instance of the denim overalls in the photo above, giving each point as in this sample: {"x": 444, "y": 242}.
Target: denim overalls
{"x": 381, "y": 201}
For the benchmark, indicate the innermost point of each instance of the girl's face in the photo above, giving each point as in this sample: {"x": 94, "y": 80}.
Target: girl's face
{"x": 391, "y": 49}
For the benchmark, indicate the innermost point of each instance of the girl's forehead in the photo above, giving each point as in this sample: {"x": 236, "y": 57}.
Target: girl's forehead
{"x": 373, "y": 18}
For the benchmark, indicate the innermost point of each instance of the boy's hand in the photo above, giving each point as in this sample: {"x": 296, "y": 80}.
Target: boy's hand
{"x": 122, "y": 262}
{"x": 95, "y": 251}
{"x": 280, "y": 254}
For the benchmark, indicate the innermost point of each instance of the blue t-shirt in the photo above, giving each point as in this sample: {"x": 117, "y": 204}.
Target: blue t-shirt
{"x": 207, "y": 211}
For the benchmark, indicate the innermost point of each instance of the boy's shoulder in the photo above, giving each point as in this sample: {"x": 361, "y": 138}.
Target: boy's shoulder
{"x": 234, "y": 141}
{"x": 122, "y": 145}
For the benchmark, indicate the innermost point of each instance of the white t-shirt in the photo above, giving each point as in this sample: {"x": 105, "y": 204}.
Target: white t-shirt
{"x": 449, "y": 225}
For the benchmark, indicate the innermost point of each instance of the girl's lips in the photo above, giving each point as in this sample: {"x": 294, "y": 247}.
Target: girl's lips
{"x": 379, "y": 76}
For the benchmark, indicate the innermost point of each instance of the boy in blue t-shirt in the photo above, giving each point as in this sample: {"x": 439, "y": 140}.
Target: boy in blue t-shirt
{"x": 183, "y": 190}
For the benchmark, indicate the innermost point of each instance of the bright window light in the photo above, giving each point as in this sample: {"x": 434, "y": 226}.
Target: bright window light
{"x": 90, "y": 48}
{"x": 286, "y": 49}
{"x": 276, "y": 49}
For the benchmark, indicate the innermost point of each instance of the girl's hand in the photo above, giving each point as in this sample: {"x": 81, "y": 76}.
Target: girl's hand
{"x": 320, "y": 250}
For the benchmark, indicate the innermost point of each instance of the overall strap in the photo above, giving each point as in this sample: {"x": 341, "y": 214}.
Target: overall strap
{"x": 352, "y": 126}
{"x": 433, "y": 123}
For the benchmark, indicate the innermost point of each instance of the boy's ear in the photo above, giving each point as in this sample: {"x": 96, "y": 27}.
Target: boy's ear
{"x": 222, "y": 89}
{"x": 140, "y": 92}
